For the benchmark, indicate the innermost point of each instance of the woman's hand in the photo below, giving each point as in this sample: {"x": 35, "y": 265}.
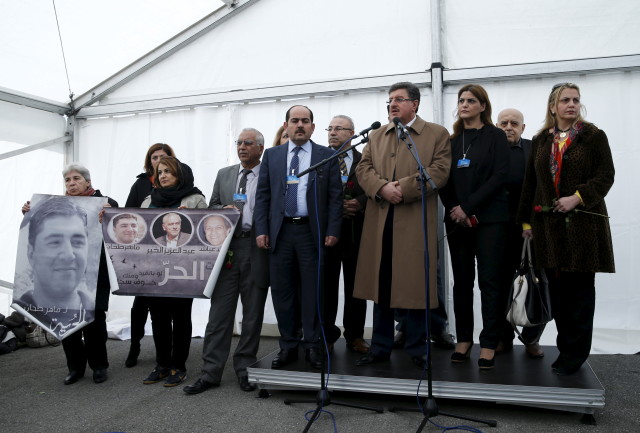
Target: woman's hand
{"x": 566, "y": 204}
{"x": 527, "y": 234}
{"x": 458, "y": 216}
{"x": 26, "y": 207}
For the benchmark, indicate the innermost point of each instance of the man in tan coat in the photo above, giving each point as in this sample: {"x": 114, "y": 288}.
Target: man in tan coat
{"x": 391, "y": 264}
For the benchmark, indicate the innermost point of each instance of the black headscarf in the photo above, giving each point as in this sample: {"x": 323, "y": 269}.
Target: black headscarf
{"x": 171, "y": 197}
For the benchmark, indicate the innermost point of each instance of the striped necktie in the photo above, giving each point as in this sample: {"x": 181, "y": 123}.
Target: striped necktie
{"x": 291, "y": 197}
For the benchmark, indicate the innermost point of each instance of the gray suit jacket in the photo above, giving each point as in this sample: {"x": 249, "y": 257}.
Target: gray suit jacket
{"x": 183, "y": 238}
{"x": 223, "y": 190}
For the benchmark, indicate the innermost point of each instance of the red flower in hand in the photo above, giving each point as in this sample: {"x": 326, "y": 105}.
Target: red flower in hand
{"x": 350, "y": 185}
{"x": 537, "y": 208}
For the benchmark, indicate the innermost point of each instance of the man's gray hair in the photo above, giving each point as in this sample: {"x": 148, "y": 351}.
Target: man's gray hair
{"x": 259, "y": 136}
{"x": 347, "y": 118}
{"x": 76, "y": 166}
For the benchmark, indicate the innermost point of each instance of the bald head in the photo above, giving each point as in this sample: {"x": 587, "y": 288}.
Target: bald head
{"x": 511, "y": 121}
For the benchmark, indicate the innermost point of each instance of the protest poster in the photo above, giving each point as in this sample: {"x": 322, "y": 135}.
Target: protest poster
{"x": 57, "y": 262}
{"x": 167, "y": 252}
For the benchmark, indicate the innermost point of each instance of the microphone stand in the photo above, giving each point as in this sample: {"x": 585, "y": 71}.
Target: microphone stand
{"x": 323, "y": 399}
{"x": 429, "y": 408}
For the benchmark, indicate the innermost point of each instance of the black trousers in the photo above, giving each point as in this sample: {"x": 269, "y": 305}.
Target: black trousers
{"x": 484, "y": 243}
{"x": 344, "y": 255}
{"x": 139, "y": 313}
{"x": 171, "y": 323}
{"x": 573, "y": 302}
{"x": 92, "y": 350}
{"x": 295, "y": 270}
{"x": 512, "y": 259}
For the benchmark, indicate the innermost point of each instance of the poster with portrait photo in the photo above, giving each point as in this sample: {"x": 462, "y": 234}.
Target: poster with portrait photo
{"x": 57, "y": 262}
{"x": 167, "y": 252}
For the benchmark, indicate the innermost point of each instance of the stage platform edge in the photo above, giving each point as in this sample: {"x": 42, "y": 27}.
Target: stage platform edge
{"x": 516, "y": 379}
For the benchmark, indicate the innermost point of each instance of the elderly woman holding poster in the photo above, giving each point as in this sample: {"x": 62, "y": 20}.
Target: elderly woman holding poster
{"x": 57, "y": 253}
{"x": 171, "y": 317}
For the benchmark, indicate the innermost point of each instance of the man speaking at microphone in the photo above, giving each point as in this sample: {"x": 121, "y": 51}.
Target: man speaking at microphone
{"x": 391, "y": 269}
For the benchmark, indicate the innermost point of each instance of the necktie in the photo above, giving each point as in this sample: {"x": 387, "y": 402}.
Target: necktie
{"x": 343, "y": 166}
{"x": 242, "y": 189}
{"x": 242, "y": 186}
{"x": 291, "y": 197}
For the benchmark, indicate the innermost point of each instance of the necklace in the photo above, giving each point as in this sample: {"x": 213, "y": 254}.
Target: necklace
{"x": 563, "y": 132}
{"x": 464, "y": 152}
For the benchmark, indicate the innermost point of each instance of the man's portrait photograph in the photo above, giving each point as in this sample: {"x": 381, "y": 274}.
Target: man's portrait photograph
{"x": 57, "y": 262}
{"x": 172, "y": 230}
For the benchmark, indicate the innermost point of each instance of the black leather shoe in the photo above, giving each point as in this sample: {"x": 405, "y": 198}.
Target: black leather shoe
{"x": 420, "y": 361}
{"x": 398, "y": 340}
{"x": 199, "y": 386}
{"x": 486, "y": 364}
{"x": 444, "y": 340}
{"x": 99, "y": 375}
{"x": 73, "y": 377}
{"x": 372, "y": 358}
{"x": 314, "y": 357}
{"x": 284, "y": 357}
{"x": 245, "y": 385}
{"x": 461, "y": 357}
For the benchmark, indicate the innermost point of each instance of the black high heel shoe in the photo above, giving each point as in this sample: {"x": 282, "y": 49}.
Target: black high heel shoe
{"x": 487, "y": 364}
{"x": 461, "y": 357}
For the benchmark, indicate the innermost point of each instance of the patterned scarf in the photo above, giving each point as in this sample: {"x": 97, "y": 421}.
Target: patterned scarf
{"x": 558, "y": 148}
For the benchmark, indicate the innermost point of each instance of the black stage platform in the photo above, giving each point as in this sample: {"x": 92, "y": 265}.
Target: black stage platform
{"x": 516, "y": 379}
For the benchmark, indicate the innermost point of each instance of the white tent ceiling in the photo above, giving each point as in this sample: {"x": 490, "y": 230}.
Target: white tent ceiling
{"x": 242, "y": 67}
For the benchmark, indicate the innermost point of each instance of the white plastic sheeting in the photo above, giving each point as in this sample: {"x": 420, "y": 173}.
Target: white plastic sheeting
{"x": 288, "y": 49}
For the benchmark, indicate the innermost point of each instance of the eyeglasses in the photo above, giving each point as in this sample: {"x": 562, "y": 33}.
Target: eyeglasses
{"x": 399, "y": 100}
{"x": 245, "y": 142}
{"x": 555, "y": 86}
{"x": 337, "y": 129}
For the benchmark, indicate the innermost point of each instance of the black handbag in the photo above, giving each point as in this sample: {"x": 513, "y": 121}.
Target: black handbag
{"x": 529, "y": 300}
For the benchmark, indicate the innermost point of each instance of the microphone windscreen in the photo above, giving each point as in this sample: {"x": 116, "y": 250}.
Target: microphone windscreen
{"x": 376, "y": 125}
{"x": 396, "y": 120}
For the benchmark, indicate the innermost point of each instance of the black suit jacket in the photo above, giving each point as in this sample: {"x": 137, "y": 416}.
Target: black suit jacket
{"x": 352, "y": 227}
{"x": 479, "y": 189}
{"x": 269, "y": 209}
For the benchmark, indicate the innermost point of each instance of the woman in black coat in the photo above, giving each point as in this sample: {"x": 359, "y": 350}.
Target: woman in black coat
{"x": 475, "y": 200}
{"x": 139, "y": 191}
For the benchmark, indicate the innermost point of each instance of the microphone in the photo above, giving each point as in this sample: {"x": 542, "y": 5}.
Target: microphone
{"x": 374, "y": 125}
{"x": 400, "y": 126}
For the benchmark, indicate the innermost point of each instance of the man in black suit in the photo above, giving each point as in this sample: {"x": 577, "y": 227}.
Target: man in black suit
{"x": 345, "y": 253}
{"x": 248, "y": 277}
{"x": 296, "y": 217}
{"x": 511, "y": 121}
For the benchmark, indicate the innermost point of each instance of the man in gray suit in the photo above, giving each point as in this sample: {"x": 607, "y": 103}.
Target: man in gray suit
{"x": 248, "y": 277}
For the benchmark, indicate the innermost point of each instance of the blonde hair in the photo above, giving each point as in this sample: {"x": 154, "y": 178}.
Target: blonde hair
{"x": 554, "y": 96}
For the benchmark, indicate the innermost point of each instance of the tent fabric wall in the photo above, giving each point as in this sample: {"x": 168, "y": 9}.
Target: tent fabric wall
{"x": 35, "y": 171}
{"x": 345, "y": 54}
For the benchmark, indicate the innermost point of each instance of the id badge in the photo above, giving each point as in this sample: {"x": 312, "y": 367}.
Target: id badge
{"x": 463, "y": 163}
{"x": 240, "y": 198}
{"x": 344, "y": 179}
{"x": 292, "y": 179}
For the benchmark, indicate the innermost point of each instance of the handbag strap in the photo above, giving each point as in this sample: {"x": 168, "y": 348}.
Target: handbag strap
{"x": 526, "y": 253}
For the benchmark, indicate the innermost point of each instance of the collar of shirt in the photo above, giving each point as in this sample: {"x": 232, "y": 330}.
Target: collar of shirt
{"x": 518, "y": 144}
{"x": 255, "y": 170}
{"x": 412, "y": 122}
{"x": 305, "y": 147}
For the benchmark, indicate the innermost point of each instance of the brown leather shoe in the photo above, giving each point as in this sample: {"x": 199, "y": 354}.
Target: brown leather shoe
{"x": 358, "y": 345}
{"x": 504, "y": 346}
{"x": 534, "y": 350}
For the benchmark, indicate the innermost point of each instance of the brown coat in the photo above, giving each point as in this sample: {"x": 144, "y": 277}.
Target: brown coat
{"x": 380, "y": 159}
{"x": 584, "y": 244}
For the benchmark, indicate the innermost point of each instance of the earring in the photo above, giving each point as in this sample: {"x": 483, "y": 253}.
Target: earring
{"x": 553, "y": 114}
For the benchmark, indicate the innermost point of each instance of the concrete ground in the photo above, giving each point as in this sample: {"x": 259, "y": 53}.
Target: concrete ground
{"x": 34, "y": 399}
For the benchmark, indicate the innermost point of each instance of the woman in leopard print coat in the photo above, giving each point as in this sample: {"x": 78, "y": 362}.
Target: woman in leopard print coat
{"x": 569, "y": 173}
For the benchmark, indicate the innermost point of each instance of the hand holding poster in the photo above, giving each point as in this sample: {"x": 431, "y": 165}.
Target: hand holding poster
{"x": 57, "y": 262}
{"x": 161, "y": 252}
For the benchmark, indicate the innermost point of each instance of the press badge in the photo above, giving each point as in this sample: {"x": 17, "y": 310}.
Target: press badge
{"x": 292, "y": 179}
{"x": 463, "y": 163}
{"x": 344, "y": 179}
{"x": 240, "y": 198}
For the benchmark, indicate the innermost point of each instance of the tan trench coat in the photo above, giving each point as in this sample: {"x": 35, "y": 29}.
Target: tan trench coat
{"x": 380, "y": 158}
